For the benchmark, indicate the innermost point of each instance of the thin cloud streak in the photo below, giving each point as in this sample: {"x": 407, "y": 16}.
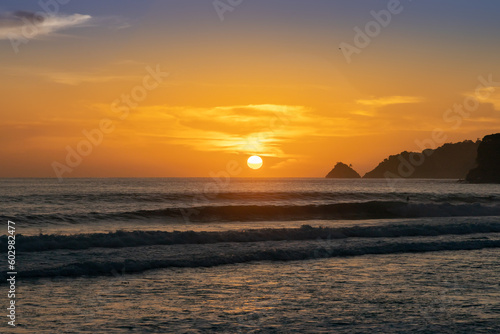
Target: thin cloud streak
{"x": 246, "y": 129}
{"x": 65, "y": 78}
{"x": 29, "y": 25}
{"x": 390, "y": 100}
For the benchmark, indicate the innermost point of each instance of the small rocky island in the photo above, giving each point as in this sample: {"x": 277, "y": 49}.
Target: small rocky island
{"x": 488, "y": 161}
{"x": 342, "y": 171}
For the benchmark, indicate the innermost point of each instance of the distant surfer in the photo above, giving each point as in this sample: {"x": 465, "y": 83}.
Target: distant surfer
{"x": 408, "y": 199}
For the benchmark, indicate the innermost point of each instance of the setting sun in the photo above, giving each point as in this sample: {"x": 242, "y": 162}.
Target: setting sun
{"x": 254, "y": 162}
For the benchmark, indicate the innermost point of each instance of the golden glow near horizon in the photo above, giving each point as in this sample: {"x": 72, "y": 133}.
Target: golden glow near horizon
{"x": 167, "y": 89}
{"x": 254, "y": 162}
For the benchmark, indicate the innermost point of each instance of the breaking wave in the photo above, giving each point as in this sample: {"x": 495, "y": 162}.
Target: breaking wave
{"x": 239, "y": 213}
{"x": 119, "y": 239}
{"x": 108, "y": 265}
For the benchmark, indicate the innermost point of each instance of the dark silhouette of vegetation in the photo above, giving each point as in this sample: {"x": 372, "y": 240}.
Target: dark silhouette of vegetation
{"x": 342, "y": 171}
{"x": 450, "y": 161}
{"x": 488, "y": 161}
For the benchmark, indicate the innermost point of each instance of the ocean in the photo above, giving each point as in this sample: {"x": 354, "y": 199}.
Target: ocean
{"x": 250, "y": 255}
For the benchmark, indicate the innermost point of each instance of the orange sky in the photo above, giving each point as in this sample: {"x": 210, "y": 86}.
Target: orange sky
{"x": 267, "y": 80}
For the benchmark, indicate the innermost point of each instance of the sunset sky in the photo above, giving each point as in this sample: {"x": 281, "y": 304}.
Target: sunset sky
{"x": 183, "y": 87}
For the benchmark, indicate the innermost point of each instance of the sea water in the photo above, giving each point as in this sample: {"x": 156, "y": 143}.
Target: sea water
{"x": 254, "y": 255}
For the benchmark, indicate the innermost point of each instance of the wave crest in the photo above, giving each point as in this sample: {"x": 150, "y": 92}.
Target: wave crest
{"x": 120, "y": 239}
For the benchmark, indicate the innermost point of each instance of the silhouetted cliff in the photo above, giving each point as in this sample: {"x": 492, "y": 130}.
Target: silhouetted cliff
{"x": 488, "y": 161}
{"x": 450, "y": 161}
{"x": 342, "y": 171}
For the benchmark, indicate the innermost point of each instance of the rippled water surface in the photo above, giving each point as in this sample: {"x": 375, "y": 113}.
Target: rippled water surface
{"x": 254, "y": 255}
{"x": 441, "y": 292}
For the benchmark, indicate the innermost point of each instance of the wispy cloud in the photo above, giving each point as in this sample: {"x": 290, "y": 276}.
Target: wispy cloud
{"x": 236, "y": 129}
{"x": 284, "y": 163}
{"x": 73, "y": 79}
{"x": 263, "y": 129}
{"x": 29, "y": 25}
{"x": 389, "y": 100}
{"x": 65, "y": 77}
{"x": 363, "y": 113}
